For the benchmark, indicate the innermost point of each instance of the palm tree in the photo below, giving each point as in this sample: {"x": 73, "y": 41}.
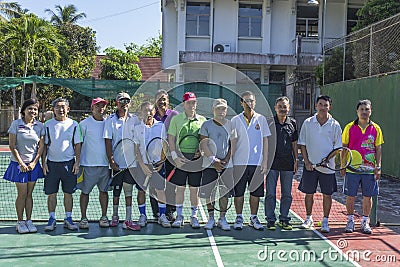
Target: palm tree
{"x": 65, "y": 15}
{"x": 31, "y": 35}
{"x": 9, "y": 10}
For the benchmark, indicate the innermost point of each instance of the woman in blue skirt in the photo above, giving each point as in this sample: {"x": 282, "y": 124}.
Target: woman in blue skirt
{"x": 26, "y": 144}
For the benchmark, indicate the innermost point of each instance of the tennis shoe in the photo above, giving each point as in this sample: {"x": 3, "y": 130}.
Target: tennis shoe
{"x": 51, "y": 224}
{"x": 307, "y": 224}
{"x": 21, "y": 227}
{"x": 170, "y": 216}
{"x": 271, "y": 225}
{"x": 255, "y": 223}
{"x": 194, "y": 222}
{"x": 163, "y": 221}
{"x": 69, "y": 224}
{"x": 178, "y": 222}
{"x": 223, "y": 224}
{"x": 285, "y": 225}
{"x": 142, "y": 220}
{"x": 32, "y": 228}
{"x": 325, "y": 226}
{"x": 103, "y": 222}
{"x": 365, "y": 228}
{"x": 210, "y": 224}
{"x": 238, "y": 225}
{"x": 84, "y": 223}
{"x": 114, "y": 221}
{"x": 129, "y": 225}
{"x": 349, "y": 226}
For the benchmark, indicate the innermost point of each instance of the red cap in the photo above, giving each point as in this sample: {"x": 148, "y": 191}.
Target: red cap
{"x": 99, "y": 100}
{"x": 188, "y": 96}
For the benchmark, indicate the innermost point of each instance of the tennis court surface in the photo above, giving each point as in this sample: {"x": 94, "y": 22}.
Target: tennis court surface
{"x": 154, "y": 245}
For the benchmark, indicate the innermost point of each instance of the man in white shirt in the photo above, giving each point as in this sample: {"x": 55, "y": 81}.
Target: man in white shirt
{"x": 249, "y": 159}
{"x": 117, "y": 126}
{"x": 319, "y": 135}
{"x": 94, "y": 162}
{"x": 63, "y": 140}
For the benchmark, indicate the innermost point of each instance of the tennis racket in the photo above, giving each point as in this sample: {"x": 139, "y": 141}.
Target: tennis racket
{"x": 338, "y": 159}
{"x": 357, "y": 165}
{"x": 156, "y": 154}
{"x": 193, "y": 141}
{"x": 221, "y": 195}
{"x": 124, "y": 155}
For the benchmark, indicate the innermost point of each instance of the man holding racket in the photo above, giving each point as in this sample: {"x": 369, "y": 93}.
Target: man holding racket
{"x": 249, "y": 159}
{"x": 220, "y": 131}
{"x": 150, "y": 137}
{"x": 165, "y": 115}
{"x": 183, "y": 139}
{"x": 284, "y": 165}
{"x": 319, "y": 135}
{"x": 63, "y": 140}
{"x": 118, "y": 126}
{"x": 364, "y": 136}
{"x": 94, "y": 162}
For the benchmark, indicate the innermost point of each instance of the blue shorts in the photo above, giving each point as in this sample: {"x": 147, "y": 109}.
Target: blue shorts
{"x": 310, "y": 179}
{"x": 13, "y": 173}
{"x": 369, "y": 185}
{"x": 60, "y": 171}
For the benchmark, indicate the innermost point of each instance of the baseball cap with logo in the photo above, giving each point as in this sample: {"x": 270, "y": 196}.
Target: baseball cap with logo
{"x": 98, "y": 100}
{"x": 220, "y": 102}
{"x": 188, "y": 96}
{"x": 122, "y": 95}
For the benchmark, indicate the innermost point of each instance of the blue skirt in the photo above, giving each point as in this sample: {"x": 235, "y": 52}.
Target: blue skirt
{"x": 13, "y": 173}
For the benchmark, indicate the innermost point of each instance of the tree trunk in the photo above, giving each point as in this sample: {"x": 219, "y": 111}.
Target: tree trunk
{"x": 14, "y": 97}
{"x": 25, "y": 73}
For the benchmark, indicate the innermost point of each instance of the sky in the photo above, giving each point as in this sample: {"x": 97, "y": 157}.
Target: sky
{"x": 116, "y": 22}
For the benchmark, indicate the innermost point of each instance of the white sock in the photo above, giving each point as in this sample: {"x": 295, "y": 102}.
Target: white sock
{"x": 52, "y": 214}
{"x": 194, "y": 211}
{"x": 364, "y": 219}
{"x": 309, "y": 217}
{"x": 179, "y": 210}
{"x": 325, "y": 219}
{"x": 68, "y": 214}
{"x": 350, "y": 217}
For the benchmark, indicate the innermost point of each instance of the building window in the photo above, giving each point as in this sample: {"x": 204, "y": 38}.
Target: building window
{"x": 198, "y": 19}
{"x": 254, "y": 75}
{"x": 307, "y": 21}
{"x": 351, "y": 18}
{"x": 250, "y": 18}
{"x": 277, "y": 77}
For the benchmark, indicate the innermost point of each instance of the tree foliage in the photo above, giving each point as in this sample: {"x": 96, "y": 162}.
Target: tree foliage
{"x": 152, "y": 47}
{"x": 9, "y": 10}
{"x": 120, "y": 65}
{"x": 376, "y": 10}
{"x": 65, "y": 15}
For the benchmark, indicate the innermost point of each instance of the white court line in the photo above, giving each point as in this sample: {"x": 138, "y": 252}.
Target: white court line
{"x": 329, "y": 242}
{"x": 214, "y": 247}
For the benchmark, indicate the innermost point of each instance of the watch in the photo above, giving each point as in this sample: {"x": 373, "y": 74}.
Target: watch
{"x": 378, "y": 167}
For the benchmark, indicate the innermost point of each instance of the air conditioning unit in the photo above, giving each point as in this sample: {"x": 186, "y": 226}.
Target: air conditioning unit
{"x": 222, "y": 48}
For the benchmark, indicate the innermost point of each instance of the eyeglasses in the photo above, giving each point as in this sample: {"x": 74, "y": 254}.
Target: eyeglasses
{"x": 124, "y": 101}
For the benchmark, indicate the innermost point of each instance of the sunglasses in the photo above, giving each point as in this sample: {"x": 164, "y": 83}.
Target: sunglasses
{"x": 124, "y": 101}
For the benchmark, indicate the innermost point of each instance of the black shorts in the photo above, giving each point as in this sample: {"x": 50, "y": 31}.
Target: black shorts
{"x": 248, "y": 175}
{"x": 126, "y": 177}
{"x": 157, "y": 179}
{"x": 60, "y": 171}
{"x": 310, "y": 179}
{"x": 209, "y": 179}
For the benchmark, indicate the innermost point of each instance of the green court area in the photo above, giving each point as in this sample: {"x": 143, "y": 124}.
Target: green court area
{"x": 156, "y": 246}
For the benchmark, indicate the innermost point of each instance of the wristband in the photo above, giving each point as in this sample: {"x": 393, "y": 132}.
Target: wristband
{"x": 212, "y": 159}
{"x": 174, "y": 155}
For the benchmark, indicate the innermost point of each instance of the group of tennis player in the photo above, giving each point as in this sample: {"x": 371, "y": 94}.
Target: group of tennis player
{"x": 81, "y": 155}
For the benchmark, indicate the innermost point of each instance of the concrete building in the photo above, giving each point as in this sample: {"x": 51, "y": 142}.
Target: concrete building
{"x": 271, "y": 41}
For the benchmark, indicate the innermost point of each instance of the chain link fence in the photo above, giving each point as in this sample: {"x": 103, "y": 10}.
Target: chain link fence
{"x": 371, "y": 51}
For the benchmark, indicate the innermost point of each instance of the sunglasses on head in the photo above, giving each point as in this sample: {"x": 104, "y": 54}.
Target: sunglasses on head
{"x": 124, "y": 101}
